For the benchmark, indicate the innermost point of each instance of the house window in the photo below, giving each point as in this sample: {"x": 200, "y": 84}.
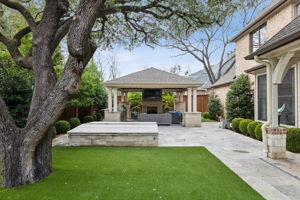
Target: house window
{"x": 286, "y": 96}
{"x": 258, "y": 38}
{"x": 297, "y": 9}
{"x": 262, "y": 97}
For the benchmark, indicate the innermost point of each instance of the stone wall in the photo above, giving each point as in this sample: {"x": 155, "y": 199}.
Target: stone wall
{"x": 157, "y": 104}
{"x": 113, "y": 140}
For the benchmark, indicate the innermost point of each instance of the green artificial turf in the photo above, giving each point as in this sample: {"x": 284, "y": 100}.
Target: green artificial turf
{"x": 89, "y": 173}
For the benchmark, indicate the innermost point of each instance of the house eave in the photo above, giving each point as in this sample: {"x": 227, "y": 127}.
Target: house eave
{"x": 259, "y": 19}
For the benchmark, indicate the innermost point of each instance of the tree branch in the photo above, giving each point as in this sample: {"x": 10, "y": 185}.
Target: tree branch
{"x": 19, "y": 7}
{"x": 24, "y": 62}
{"x": 6, "y": 119}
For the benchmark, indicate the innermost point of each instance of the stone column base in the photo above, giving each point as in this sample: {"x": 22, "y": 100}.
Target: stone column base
{"x": 192, "y": 119}
{"x": 112, "y": 116}
{"x": 276, "y": 138}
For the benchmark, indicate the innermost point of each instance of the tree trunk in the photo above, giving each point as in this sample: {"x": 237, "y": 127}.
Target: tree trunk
{"x": 11, "y": 165}
{"x": 43, "y": 156}
{"x": 26, "y": 153}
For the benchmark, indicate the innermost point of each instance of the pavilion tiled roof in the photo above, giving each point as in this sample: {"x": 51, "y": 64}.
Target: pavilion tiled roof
{"x": 152, "y": 76}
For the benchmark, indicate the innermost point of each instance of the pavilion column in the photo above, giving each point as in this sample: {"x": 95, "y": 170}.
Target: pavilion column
{"x": 122, "y": 96}
{"x": 189, "y": 99}
{"x": 109, "y": 99}
{"x": 194, "y": 100}
{"x": 115, "y": 91}
{"x": 181, "y": 97}
{"x": 125, "y": 96}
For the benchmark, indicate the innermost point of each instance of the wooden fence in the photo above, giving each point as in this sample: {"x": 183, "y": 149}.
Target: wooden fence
{"x": 79, "y": 112}
{"x": 202, "y": 102}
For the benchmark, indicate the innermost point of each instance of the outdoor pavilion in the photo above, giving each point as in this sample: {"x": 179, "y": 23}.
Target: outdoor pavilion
{"x": 155, "y": 79}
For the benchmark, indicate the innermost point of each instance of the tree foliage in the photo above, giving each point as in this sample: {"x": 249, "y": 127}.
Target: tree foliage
{"x": 91, "y": 91}
{"x": 135, "y": 100}
{"x": 239, "y": 100}
{"x": 214, "y": 107}
{"x": 168, "y": 100}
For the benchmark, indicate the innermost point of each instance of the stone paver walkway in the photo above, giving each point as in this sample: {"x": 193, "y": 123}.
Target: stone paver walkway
{"x": 273, "y": 179}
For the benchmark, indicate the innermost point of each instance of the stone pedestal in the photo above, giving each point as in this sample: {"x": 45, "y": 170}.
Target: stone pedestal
{"x": 180, "y": 106}
{"x": 112, "y": 116}
{"x": 192, "y": 119}
{"x": 276, "y": 138}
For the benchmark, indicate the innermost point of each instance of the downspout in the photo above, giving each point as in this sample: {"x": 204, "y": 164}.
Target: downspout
{"x": 269, "y": 104}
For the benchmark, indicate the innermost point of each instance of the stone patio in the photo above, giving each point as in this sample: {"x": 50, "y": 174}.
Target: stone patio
{"x": 274, "y": 179}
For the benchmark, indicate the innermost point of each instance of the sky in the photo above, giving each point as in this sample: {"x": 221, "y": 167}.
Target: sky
{"x": 159, "y": 57}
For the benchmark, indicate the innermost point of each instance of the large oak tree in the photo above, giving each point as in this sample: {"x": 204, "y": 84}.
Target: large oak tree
{"x": 85, "y": 25}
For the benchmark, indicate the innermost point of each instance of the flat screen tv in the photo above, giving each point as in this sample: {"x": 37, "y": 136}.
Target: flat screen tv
{"x": 152, "y": 95}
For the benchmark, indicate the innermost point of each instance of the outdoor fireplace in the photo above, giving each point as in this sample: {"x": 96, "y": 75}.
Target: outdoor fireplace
{"x": 151, "y": 110}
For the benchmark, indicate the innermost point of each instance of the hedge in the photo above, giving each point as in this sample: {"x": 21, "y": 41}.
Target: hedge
{"x": 74, "y": 122}
{"x": 251, "y": 128}
{"x": 236, "y": 124}
{"x": 243, "y": 126}
{"x": 95, "y": 117}
{"x": 205, "y": 115}
{"x": 88, "y": 118}
{"x": 258, "y": 132}
{"x": 293, "y": 140}
{"x": 62, "y": 126}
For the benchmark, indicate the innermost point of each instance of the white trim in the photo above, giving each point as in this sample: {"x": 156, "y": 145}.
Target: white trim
{"x": 297, "y": 94}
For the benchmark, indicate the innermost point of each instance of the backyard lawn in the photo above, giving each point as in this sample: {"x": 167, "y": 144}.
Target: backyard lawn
{"x": 88, "y": 173}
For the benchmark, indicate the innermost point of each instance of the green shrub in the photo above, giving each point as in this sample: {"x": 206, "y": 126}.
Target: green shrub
{"x": 88, "y": 118}
{"x": 74, "y": 122}
{"x": 205, "y": 115}
{"x": 243, "y": 126}
{"x": 236, "y": 124}
{"x": 62, "y": 126}
{"x": 135, "y": 100}
{"x": 99, "y": 116}
{"x": 214, "y": 107}
{"x": 258, "y": 132}
{"x": 168, "y": 100}
{"x": 293, "y": 140}
{"x": 95, "y": 117}
{"x": 239, "y": 99}
{"x": 251, "y": 128}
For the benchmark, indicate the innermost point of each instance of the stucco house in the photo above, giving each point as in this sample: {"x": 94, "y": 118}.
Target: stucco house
{"x": 273, "y": 24}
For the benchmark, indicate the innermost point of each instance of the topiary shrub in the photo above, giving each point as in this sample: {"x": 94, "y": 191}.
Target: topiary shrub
{"x": 214, "y": 107}
{"x": 74, "y": 122}
{"x": 88, "y": 118}
{"x": 62, "y": 126}
{"x": 205, "y": 115}
{"x": 251, "y": 128}
{"x": 95, "y": 117}
{"x": 243, "y": 126}
{"x": 258, "y": 132}
{"x": 236, "y": 123}
{"x": 99, "y": 116}
{"x": 293, "y": 140}
{"x": 239, "y": 99}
